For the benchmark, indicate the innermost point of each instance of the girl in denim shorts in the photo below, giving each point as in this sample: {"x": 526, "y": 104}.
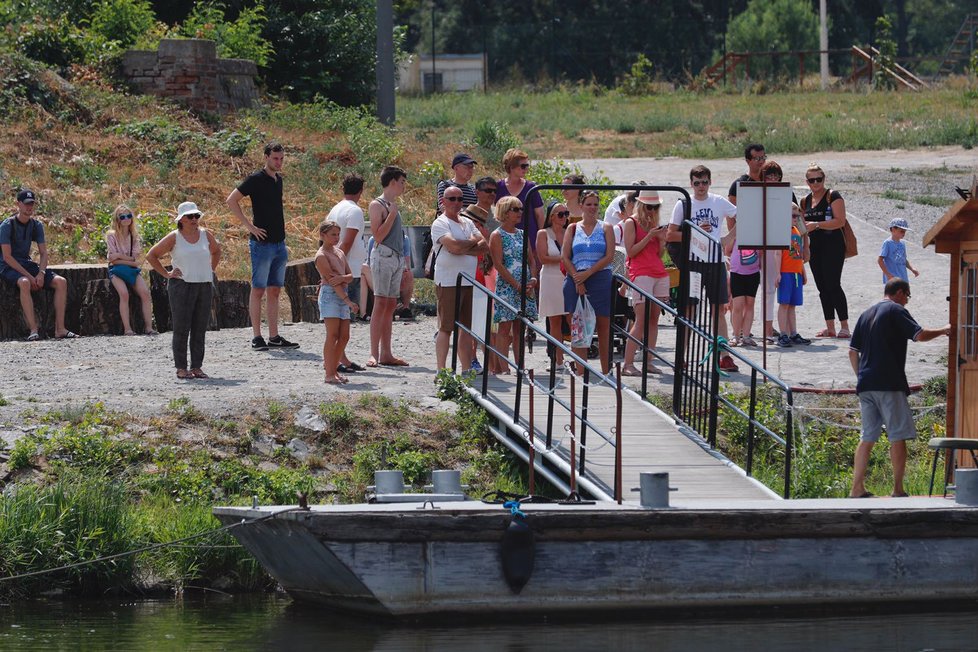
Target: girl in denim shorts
{"x": 334, "y": 304}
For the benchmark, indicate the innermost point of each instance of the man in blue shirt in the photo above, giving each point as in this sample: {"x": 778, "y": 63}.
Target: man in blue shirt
{"x": 878, "y": 353}
{"x": 17, "y": 233}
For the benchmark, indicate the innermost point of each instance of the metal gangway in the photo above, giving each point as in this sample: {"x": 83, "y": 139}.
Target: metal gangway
{"x": 590, "y": 435}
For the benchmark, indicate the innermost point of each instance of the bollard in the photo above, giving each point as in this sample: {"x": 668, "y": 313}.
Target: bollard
{"x": 447, "y": 481}
{"x": 966, "y": 486}
{"x": 389, "y": 482}
{"x": 654, "y": 488}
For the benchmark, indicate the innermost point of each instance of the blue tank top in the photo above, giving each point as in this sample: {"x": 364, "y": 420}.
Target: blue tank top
{"x": 588, "y": 250}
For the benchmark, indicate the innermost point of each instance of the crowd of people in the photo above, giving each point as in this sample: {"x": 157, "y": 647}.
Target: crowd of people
{"x": 480, "y": 230}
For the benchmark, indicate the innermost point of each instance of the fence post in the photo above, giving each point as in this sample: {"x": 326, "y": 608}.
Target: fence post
{"x": 458, "y": 291}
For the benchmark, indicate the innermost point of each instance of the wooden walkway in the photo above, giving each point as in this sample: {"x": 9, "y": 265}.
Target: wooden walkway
{"x": 651, "y": 442}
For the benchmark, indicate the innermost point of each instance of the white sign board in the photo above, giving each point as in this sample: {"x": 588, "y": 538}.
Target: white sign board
{"x": 700, "y": 247}
{"x": 750, "y": 216}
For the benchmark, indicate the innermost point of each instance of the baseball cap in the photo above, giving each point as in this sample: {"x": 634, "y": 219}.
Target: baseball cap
{"x": 899, "y": 223}
{"x": 462, "y": 159}
{"x": 26, "y": 196}
{"x": 187, "y": 208}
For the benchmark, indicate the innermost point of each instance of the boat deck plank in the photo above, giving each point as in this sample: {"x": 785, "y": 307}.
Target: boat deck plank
{"x": 650, "y": 442}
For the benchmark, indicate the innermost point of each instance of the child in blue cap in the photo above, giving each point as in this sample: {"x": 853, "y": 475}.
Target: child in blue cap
{"x": 893, "y": 255}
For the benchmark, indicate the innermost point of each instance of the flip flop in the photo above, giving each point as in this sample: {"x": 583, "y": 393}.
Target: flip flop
{"x": 865, "y": 494}
{"x": 151, "y": 332}
{"x": 902, "y": 494}
{"x": 129, "y": 333}
{"x": 396, "y": 362}
{"x": 630, "y": 371}
{"x": 825, "y": 333}
{"x": 844, "y": 335}
{"x": 353, "y": 366}
{"x": 33, "y": 337}
{"x": 372, "y": 363}
{"x": 68, "y": 336}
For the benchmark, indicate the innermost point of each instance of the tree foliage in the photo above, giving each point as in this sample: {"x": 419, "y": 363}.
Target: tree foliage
{"x": 773, "y": 25}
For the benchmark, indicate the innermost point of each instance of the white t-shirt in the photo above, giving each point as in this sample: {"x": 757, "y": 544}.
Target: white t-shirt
{"x": 711, "y": 211}
{"x": 447, "y": 264}
{"x": 350, "y": 216}
{"x": 612, "y": 216}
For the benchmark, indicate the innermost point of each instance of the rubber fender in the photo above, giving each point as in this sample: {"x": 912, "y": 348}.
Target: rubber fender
{"x": 518, "y": 551}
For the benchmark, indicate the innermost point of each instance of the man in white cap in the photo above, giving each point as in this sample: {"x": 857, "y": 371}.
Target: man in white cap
{"x": 17, "y": 232}
{"x": 893, "y": 254}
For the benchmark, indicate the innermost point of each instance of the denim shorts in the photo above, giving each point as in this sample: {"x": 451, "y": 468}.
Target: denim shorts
{"x": 331, "y": 306}
{"x": 886, "y": 407}
{"x": 268, "y": 261}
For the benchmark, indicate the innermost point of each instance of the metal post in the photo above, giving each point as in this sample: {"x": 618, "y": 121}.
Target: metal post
{"x": 752, "y": 409}
{"x": 458, "y": 292}
{"x": 532, "y": 451}
{"x": 584, "y": 393}
{"x": 550, "y": 398}
{"x": 789, "y": 444}
{"x": 573, "y": 417}
{"x": 385, "y": 62}
{"x": 488, "y": 345}
{"x": 618, "y": 493}
{"x": 645, "y": 351}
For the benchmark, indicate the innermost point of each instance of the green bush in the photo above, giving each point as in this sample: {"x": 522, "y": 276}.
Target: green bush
{"x": 122, "y": 21}
{"x": 494, "y": 138}
{"x": 639, "y": 79}
{"x": 555, "y": 170}
{"x": 238, "y": 39}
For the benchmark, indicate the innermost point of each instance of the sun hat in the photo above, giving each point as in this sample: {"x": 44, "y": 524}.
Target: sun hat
{"x": 187, "y": 208}
{"x": 649, "y": 197}
{"x": 899, "y": 223}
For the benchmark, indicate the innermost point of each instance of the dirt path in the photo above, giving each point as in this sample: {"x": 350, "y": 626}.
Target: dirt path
{"x": 135, "y": 373}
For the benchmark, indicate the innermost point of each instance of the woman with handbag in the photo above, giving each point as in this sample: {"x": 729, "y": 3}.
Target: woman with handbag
{"x": 124, "y": 250}
{"x": 587, "y": 252}
{"x": 825, "y": 220}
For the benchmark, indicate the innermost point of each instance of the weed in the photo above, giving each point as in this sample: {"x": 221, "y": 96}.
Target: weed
{"x": 930, "y": 200}
{"x": 893, "y": 194}
{"x": 276, "y": 412}
{"x": 22, "y": 454}
{"x": 340, "y": 417}
{"x": 3, "y": 401}
{"x": 184, "y": 410}
{"x": 494, "y": 138}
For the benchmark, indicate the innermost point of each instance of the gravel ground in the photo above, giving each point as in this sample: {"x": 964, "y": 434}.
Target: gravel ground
{"x": 136, "y": 373}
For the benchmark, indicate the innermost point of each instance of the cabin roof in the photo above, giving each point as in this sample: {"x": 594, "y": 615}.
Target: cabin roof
{"x": 959, "y": 217}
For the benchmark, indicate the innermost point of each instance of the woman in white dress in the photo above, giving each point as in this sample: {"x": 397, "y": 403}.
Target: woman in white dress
{"x": 551, "y": 304}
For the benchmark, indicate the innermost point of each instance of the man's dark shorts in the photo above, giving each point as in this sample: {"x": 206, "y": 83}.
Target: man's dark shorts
{"x": 11, "y": 275}
{"x": 716, "y": 290}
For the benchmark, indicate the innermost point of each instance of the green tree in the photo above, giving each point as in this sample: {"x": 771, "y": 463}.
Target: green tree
{"x": 883, "y": 62}
{"x": 774, "y": 25}
{"x": 240, "y": 38}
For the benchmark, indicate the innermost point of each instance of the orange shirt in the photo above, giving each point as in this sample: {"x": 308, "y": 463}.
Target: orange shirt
{"x": 792, "y": 258}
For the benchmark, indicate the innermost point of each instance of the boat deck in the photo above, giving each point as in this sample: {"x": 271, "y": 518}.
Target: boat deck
{"x": 651, "y": 442}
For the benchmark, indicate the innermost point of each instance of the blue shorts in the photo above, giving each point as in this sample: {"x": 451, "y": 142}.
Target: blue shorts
{"x": 331, "y": 306}
{"x": 125, "y": 272}
{"x": 790, "y": 289}
{"x": 598, "y": 290}
{"x": 886, "y": 407}
{"x": 11, "y": 275}
{"x": 268, "y": 261}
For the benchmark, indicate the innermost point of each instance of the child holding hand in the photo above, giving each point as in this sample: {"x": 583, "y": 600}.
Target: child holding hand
{"x": 335, "y": 305}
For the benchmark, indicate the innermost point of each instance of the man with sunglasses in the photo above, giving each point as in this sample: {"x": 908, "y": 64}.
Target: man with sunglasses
{"x": 458, "y": 244}
{"x": 17, "y": 234}
{"x": 709, "y": 212}
{"x": 878, "y": 354}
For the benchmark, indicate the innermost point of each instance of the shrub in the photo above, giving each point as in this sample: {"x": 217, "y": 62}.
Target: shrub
{"x": 238, "y": 39}
{"x": 122, "y": 21}
{"x": 639, "y": 79}
{"x": 494, "y": 138}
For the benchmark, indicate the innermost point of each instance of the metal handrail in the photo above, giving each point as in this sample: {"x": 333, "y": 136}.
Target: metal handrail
{"x": 522, "y": 372}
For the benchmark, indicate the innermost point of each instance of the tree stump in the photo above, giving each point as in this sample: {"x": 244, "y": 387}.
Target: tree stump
{"x": 100, "y": 310}
{"x": 161, "y": 304}
{"x": 13, "y": 326}
{"x": 233, "y": 304}
{"x": 78, "y": 277}
{"x": 310, "y": 304}
{"x": 300, "y": 273}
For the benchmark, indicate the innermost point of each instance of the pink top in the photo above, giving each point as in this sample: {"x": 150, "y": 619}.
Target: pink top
{"x": 648, "y": 262}
{"x": 127, "y": 246}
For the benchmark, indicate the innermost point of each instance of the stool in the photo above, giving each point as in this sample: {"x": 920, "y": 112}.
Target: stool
{"x": 952, "y": 444}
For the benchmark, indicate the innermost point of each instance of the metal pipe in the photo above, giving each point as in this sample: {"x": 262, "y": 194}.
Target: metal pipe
{"x": 531, "y": 429}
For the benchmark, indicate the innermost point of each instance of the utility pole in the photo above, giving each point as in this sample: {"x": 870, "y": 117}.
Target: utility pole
{"x": 823, "y": 43}
{"x": 385, "y": 62}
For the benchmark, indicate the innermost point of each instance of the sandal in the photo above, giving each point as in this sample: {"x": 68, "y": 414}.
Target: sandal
{"x": 183, "y": 374}
{"x": 825, "y": 333}
{"x": 33, "y": 337}
{"x": 198, "y": 373}
{"x": 630, "y": 371}
{"x": 68, "y": 336}
{"x": 844, "y": 335}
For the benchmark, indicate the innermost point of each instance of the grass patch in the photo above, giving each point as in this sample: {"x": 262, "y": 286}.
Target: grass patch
{"x": 931, "y": 200}
{"x": 893, "y": 194}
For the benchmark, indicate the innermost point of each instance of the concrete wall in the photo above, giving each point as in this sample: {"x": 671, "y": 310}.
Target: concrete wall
{"x": 189, "y": 71}
{"x": 459, "y": 72}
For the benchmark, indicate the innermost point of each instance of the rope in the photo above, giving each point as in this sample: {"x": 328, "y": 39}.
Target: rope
{"x": 155, "y": 546}
{"x": 720, "y": 343}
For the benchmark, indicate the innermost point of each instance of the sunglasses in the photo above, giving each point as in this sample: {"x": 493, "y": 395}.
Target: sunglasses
{"x": 697, "y": 183}
{"x": 562, "y": 213}
{"x": 524, "y": 165}
{"x": 452, "y": 198}
{"x": 127, "y": 216}
{"x": 515, "y": 209}
{"x": 192, "y": 216}
{"x": 490, "y": 190}
{"x": 816, "y": 179}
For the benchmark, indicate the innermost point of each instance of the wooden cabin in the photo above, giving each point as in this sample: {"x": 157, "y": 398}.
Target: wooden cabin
{"x": 957, "y": 234}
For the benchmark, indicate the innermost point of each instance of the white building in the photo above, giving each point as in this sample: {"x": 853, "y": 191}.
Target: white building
{"x": 449, "y": 72}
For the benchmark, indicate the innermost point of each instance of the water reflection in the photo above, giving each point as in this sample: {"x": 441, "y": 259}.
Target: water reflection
{"x": 274, "y": 623}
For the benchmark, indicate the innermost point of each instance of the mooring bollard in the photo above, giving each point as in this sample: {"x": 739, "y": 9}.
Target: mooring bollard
{"x": 654, "y": 488}
{"x": 389, "y": 482}
{"x": 447, "y": 481}
{"x": 966, "y": 486}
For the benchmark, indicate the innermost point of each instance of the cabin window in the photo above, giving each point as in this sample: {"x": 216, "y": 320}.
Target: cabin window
{"x": 969, "y": 318}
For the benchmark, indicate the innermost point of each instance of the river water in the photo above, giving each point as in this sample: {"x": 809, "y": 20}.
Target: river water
{"x": 275, "y": 623}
